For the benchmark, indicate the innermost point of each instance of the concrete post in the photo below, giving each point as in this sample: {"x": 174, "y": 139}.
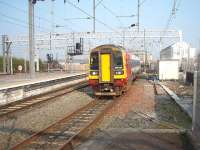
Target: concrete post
{"x": 4, "y": 53}
{"x": 11, "y": 63}
{"x": 8, "y": 58}
{"x": 31, "y": 41}
{"x": 196, "y": 103}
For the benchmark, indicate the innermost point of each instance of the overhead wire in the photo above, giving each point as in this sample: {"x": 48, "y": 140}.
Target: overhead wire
{"x": 26, "y": 12}
{"x": 172, "y": 15}
{"x": 19, "y": 20}
{"x": 141, "y": 3}
{"x": 14, "y": 23}
{"x": 22, "y": 10}
{"x": 112, "y": 13}
{"x": 83, "y": 11}
{"x": 99, "y": 2}
{"x": 47, "y": 20}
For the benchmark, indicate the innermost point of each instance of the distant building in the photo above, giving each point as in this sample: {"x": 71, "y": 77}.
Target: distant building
{"x": 143, "y": 55}
{"x": 181, "y": 51}
{"x": 178, "y": 50}
{"x": 146, "y": 59}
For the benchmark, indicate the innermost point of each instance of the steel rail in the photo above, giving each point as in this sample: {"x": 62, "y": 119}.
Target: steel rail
{"x": 65, "y": 133}
{"x": 11, "y": 108}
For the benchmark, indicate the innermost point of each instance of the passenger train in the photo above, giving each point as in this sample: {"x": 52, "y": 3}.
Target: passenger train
{"x": 112, "y": 70}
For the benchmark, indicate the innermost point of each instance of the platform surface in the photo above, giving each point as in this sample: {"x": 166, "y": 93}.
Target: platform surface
{"x": 126, "y": 139}
{"x": 9, "y": 81}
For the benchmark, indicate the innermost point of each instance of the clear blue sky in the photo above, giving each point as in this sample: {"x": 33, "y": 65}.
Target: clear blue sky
{"x": 154, "y": 15}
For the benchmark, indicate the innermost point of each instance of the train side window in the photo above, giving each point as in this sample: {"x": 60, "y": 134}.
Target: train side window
{"x": 118, "y": 61}
{"x": 94, "y": 61}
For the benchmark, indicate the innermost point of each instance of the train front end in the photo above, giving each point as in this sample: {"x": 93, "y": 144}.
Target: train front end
{"x": 108, "y": 73}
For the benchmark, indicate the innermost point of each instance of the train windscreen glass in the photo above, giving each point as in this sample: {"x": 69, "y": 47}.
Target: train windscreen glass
{"x": 94, "y": 61}
{"x": 118, "y": 61}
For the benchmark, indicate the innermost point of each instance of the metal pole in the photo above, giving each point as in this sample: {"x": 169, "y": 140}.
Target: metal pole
{"x": 37, "y": 60}
{"x": 31, "y": 40}
{"x": 188, "y": 60}
{"x": 4, "y": 52}
{"x": 145, "y": 53}
{"x": 25, "y": 67}
{"x": 138, "y": 16}
{"x": 52, "y": 16}
{"x": 11, "y": 62}
{"x": 9, "y": 67}
{"x": 94, "y": 16}
{"x": 123, "y": 38}
{"x": 194, "y": 101}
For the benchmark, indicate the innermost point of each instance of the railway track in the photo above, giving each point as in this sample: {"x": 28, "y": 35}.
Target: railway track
{"x": 158, "y": 90}
{"x": 65, "y": 133}
{"x": 13, "y": 107}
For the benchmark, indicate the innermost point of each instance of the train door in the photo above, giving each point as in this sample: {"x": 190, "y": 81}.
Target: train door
{"x": 105, "y": 67}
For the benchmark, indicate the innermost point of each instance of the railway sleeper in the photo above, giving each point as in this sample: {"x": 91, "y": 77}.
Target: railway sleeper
{"x": 43, "y": 145}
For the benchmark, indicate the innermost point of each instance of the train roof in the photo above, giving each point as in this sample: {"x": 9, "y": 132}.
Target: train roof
{"x": 108, "y": 46}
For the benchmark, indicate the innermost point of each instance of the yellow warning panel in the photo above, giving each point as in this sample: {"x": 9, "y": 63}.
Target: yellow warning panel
{"x": 105, "y": 67}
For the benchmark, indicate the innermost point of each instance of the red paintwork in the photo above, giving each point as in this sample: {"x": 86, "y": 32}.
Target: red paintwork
{"x": 120, "y": 82}
{"x": 128, "y": 66}
{"x": 117, "y": 82}
{"x": 93, "y": 83}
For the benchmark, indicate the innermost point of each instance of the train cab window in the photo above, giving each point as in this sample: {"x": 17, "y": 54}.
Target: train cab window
{"x": 94, "y": 61}
{"x": 118, "y": 61}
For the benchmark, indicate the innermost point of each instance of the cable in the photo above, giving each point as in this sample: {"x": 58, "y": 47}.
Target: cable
{"x": 142, "y": 2}
{"x": 25, "y": 12}
{"x": 18, "y": 20}
{"x": 81, "y": 10}
{"x": 22, "y": 10}
{"x": 99, "y": 2}
{"x": 111, "y": 12}
{"x": 173, "y": 12}
{"x": 14, "y": 23}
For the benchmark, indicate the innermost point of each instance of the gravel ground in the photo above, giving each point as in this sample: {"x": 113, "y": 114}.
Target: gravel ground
{"x": 160, "y": 90}
{"x": 140, "y": 109}
{"x": 17, "y": 128}
{"x": 145, "y": 110}
{"x": 179, "y": 88}
{"x": 130, "y": 107}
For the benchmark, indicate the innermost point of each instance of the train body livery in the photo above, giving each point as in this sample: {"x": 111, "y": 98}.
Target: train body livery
{"x": 112, "y": 70}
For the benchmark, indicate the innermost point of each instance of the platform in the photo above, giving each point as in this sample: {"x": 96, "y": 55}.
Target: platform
{"x": 132, "y": 139}
{"x": 20, "y": 86}
{"x": 187, "y": 107}
{"x": 9, "y": 81}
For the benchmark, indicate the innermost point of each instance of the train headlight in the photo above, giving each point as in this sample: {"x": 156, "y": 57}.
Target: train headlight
{"x": 94, "y": 73}
{"x": 119, "y": 72}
